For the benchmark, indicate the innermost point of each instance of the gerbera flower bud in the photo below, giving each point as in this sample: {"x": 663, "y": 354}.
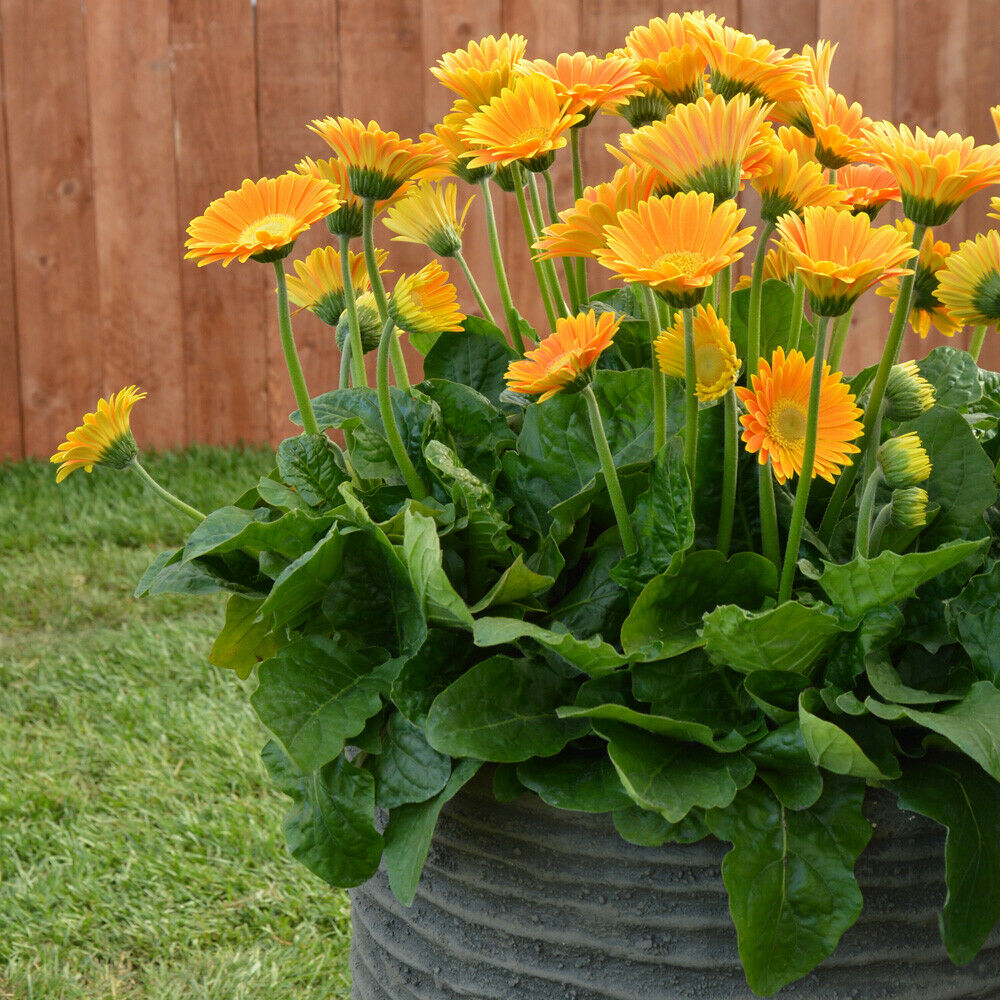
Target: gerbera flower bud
{"x": 318, "y": 283}
{"x": 716, "y": 363}
{"x": 907, "y": 392}
{"x": 429, "y": 216}
{"x": 969, "y": 281}
{"x": 908, "y": 508}
{"x": 426, "y": 302}
{"x": 904, "y": 461}
{"x": 104, "y": 437}
{"x": 368, "y": 320}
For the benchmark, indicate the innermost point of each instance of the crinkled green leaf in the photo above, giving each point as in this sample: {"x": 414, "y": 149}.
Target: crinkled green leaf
{"x": 305, "y": 581}
{"x": 229, "y": 528}
{"x": 408, "y": 768}
{"x": 975, "y": 616}
{"x": 245, "y": 638}
{"x": 442, "y": 658}
{"x": 473, "y": 358}
{"x": 954, "y": 375}
{"x": 583, "y": 782}
{"x": 784, "y": 764}
{"x": 311, "y": 464}
{"x": 422, "y": 554}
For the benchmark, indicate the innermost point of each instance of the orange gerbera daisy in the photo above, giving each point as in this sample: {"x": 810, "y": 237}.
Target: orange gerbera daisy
{"x": 716, "y": 363}
{"x": 582, "y": 229}
{"x": 777, "y": 407}
{"x": 839, "y": 128}
{"x": 261, "y": 220}
{"x": 867, "y": 187}
{"x": 817, "y": 74}
{"x": 670, "y": 55}
{"x": 742, "y": 64}
{"x": 378, "y": 163}
{"x": 788, "y": 185}
{"x": 701, "y": 146}
{"x": 840, "y": 255}
{"x": 925, "y": 307}
{"x": 526, "y": 123}
{"x": 675, "y": 244}
{"x": 935, "y": 175}
{"x": 565, "y": 359}
{"x": 482, "y": 70}
{"x": 318, "y": 282}
{"x": 425, "y": 302}
{"x": 104, "y": 438}
{"x": 448, "y": 136}
{"x": 969, "y": 282}
{"x": 586, "y": 83}
{"x": 797, "y": 142}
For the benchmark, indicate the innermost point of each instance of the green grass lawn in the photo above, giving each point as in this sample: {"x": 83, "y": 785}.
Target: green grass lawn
{"x": 141, "y": 850}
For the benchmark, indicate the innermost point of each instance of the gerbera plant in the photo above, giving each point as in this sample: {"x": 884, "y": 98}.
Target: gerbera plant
{"x": 668, "y": 508}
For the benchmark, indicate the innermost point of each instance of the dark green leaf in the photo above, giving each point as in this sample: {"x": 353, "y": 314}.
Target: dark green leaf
{"x": 311, "y": 464}
{"x": 975, "y": 616}
{"x": 649, "y": 829}
{"x": 422, "y": 555}
{"x": 596, "y": 605}
{"x": 245, "y": 638}
{"x": 516, "y": 583}
{"x": 575, "y": 780}
{"x": 408, "y": 769}
{"x": 471, "y": 358}
{"x": 886, "y": 682}
{"x": 230, "y": 528}
{"x": 304, "y": 582}
{"x": 775, "y": 320}
{"x": 784, "y": 764}
{"x": 443, "y": 658}
{"x": 954, "y": 375}
{"x": 777, "y": 693}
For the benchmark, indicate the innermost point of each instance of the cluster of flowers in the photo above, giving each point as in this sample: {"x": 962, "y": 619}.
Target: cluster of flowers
{"x": 711, "y": 109}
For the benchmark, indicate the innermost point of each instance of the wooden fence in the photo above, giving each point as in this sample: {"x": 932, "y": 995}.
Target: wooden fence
{"x": 122, "y": 119}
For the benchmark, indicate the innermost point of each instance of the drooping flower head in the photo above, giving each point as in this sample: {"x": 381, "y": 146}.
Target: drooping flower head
{"x": 448, "y": 135}
{"x": 104, "y": 437}
{"x": 482, "y": 70}
{"x": 261, "y": 220}
{"x": 838, "y": 127}
{"x": 675, "y": 244}
{"x": 426, "y": 302}
{"x": 318, "y": 283}
{"x": 378, "y": 163}
{"x": 789, "y": 185}
{"x": 428, "y": 215}
{"x": 700, "y": 146}
{"x": 840, "y": 255}
{"x": 969, "y": 282}
{"x": 526, "y": 123}
{"x": 565, "y": 359}
{"x": 777, "y": 407}
{"x": 867, "y": 187}
{"x": 925, "y": 307}
{"x": 587, "y": 83}
{"x": 742, "y": 64}
{"x": 582, "y": 229}
{"x": 935, "y": 175}
{"x": 716, "y": 364}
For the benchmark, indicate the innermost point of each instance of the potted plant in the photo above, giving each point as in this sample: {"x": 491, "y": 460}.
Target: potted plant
{"x": 651, "y": 581}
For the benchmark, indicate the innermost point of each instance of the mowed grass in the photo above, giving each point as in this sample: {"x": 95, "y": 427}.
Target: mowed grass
{"x": 141, "y": 849}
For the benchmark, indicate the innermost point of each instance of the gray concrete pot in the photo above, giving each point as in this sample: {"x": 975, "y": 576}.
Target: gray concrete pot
{"x": 526, "y": 902}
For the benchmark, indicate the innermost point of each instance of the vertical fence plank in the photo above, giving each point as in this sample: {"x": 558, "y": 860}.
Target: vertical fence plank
{"x": 297, "y": 81}
{"x": 52, "y": 211}
{"x": 788, "y": 25}
{"x": 135, "y": 203}
{"x": 215, "y": 104}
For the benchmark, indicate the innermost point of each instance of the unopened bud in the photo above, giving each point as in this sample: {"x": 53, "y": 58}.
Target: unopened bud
{"x": 368, "y": 320}
{"x": 904, "y": 461}
{"x": 908, "y": 508}
{"x": 907, "y": 393}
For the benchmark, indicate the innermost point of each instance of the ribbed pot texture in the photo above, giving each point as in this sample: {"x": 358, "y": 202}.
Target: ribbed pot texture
{"x": 525, "y": 902}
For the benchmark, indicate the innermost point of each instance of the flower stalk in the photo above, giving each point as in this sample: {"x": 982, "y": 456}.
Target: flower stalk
{"x": 756, "y": 295}
{"x": 569, "y": 268}
{"x": 865, "y": 511}
{"x": 357, "y": 351}
{"x": 976, "y": 344}
{"x": 798, "y": 312}
{"x": 529, "y": 235}
{"x": 298, "y": 379}
{"x": 413, "y": 482}
{"x": 690, "y": 397}
{"x": 730, "y": 467}
{"x": 581, "y": 262}
{"x": 770, "y": 544}
{"x": 480, "y": 301}
{"x": 136, "y": 466}
{"x": 513, "y": 331}
{"x": 659, "y": 384}
{"x": 548, "y": 267}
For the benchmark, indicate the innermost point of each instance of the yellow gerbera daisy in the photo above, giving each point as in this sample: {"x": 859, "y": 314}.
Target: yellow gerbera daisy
{"x": 840, "y": 255}
{"x": 586, "y": 83}
{"x": 818, "y": 61}
{"x": 777, "y": 266}
{"x": 969, "y": 282}
{"x": 675, "y": 244}
{"x": 565, "y": 359}
{"x": 994, "y": 211}
{"x": 378, "y": 162}
{"x": 671, "y": 56}
{"x": 796, "y": 141}
{"x": 701, "y": 146}
{"x": 742, "y": 64}
{"x": 867, "y": 187}
{"x": 483, "y": 69}
{"x": 925, "y": 307}
{"x": 582, "y": 229}
{"x": 788, "y": 185}
{"x": 526, "y": 123}
{"x": 104, "y": 438}
{"x": 935, "y": 175}
{"x": 426, "y": 302}
{"x": 777, "y": 407}
{"x": 261, "y": 220}
{"x": 716, "y": 363}
{"x": 318, "y": 283}
{"x": 839, "y": 128}
{"x": 429, "y": 216}
{"x": 448, "y": 134}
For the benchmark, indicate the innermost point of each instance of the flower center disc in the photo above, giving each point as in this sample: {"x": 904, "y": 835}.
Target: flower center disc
{"x": 273, "y": 230}
{"x": 683, "y": 261}
{"x": 532, "y": 136}
{"x": 789, "y": 424}
{"x": 709, "y": 363}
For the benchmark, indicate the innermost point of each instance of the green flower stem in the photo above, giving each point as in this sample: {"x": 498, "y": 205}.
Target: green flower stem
{"x": 768, "y": 516}
{"x": 756, "y": 294}
{"x": 529, "y": 235}
{"x": 345, "y": 365}
{"x": 730, "y": 463}
{"x": 865, "y": 510}
{"x": 581, "y": 262}
{"x": 399, "y": 364}
{"x": 659, "y": 385}
{"x": 378, "y": 288}
{"x": 873, "y": 411}
{"x": 976, "y": 344}
{"x": 510, "y": 314}
{"x": 610, "y": 474}
{"x": 309, "y": 425}
{"x": 798, "y": 311}
{"x": 808, "y": 458}
{"x": 357, "y": 352}
{"x": 691, "y": 398}
{"x": 413, "y": 483}
{"x": 547, "y": 265}
{"x": 569, "y": 267}
{"x": 878, "y": 530}
{"x": 725, "y": 277}
{"x": 480, "y": 301}
{"x": 841, "y": 328}
{"x": 165, "y": 494}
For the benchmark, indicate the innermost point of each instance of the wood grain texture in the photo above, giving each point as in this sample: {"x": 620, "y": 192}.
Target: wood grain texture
{"x": 135, "y": 203}
{"x": 52, "y": 213}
